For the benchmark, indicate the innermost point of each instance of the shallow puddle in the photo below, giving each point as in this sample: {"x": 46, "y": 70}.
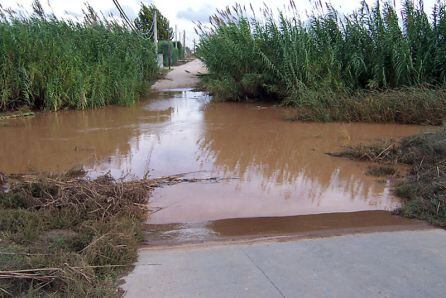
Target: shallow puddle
{"x": 272, "y": 167}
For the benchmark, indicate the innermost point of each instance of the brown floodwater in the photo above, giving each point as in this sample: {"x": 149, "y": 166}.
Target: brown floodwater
{"x": 274, "y": 167}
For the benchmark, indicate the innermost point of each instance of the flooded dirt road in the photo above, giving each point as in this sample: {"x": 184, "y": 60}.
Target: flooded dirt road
{"x": 271, "y": 167}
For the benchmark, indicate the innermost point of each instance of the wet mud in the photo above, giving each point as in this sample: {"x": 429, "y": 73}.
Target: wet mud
{"x": 278, "y": 228}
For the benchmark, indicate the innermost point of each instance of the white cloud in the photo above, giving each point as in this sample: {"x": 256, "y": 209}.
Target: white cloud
{"x": 196, "y": 15}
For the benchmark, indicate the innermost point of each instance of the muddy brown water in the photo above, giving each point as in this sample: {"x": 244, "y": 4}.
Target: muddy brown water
{"x": 273, "y": 167}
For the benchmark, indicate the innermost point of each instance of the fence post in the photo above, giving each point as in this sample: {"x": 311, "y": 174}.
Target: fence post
{"x": 169, "y": 54}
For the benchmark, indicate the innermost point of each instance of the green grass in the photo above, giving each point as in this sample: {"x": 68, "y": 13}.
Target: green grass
{"x": 423, "y": 189}
{"x": 53, "y": 64}
{"x": 375, "y": 64}
{"x": 414, "y": 105}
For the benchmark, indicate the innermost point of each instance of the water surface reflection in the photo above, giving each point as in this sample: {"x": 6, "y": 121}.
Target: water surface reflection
{"x": 280, "y": 167}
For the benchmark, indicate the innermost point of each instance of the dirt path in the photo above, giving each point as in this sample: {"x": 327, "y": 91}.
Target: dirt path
{"x": 183, "y": 76}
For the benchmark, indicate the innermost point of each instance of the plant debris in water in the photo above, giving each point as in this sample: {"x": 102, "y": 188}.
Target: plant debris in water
{"x": 424, "y": 188}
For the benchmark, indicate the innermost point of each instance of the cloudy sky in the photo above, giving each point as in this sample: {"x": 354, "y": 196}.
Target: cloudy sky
{"x": 180, "y": 12}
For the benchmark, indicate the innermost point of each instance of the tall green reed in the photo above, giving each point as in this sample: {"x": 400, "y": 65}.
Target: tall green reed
{"x": 311, "y": 62}
{"x": 54, "y": 64}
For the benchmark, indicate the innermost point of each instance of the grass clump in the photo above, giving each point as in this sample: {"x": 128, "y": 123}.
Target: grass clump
{"x": 423, "y": 189}
{"x": 50, "y": 63}
{"x": 415, "y": 105}
{"x": 379, "y": 171}
{"x": 68, "y": 235}
{"x": 375, "y": 64}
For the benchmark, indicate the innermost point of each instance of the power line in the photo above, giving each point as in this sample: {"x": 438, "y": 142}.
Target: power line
{"x": 123, "y": 15}
{"x": 129, "y": 23}
{"x": 149, "y": 32}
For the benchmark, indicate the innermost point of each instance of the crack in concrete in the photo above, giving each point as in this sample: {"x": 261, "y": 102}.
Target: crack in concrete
{"x": 264, "y": 274}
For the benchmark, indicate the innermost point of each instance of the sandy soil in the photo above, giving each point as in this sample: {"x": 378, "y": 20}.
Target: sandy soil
{"x": 183, "y": 76}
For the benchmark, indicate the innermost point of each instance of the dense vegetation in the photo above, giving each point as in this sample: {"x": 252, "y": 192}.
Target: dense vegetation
{"x": 333, "y": 66}
{"x": 423, "y": 189}
{"x": 55, "y": 64}
{"x": 174, "y": 48}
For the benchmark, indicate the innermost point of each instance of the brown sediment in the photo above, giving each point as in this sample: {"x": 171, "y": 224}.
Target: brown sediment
{"x": 278, "y": 228}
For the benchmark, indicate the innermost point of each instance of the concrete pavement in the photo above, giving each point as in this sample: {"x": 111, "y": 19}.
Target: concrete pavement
{"x": 384, "y": 264}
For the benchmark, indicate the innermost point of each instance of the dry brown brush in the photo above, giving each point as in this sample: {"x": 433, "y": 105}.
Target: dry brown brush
{"x": 68, "y": 234}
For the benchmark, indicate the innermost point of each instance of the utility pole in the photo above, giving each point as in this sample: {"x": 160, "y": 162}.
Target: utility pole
{"x": 176, "y": 35}
{"x": 184, "y": 43}
{"x": 159, "y": 57}
{"x": 155, "y": 33}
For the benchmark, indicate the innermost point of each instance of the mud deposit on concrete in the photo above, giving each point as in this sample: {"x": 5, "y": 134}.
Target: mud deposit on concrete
{"x": 278, "y": 228}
